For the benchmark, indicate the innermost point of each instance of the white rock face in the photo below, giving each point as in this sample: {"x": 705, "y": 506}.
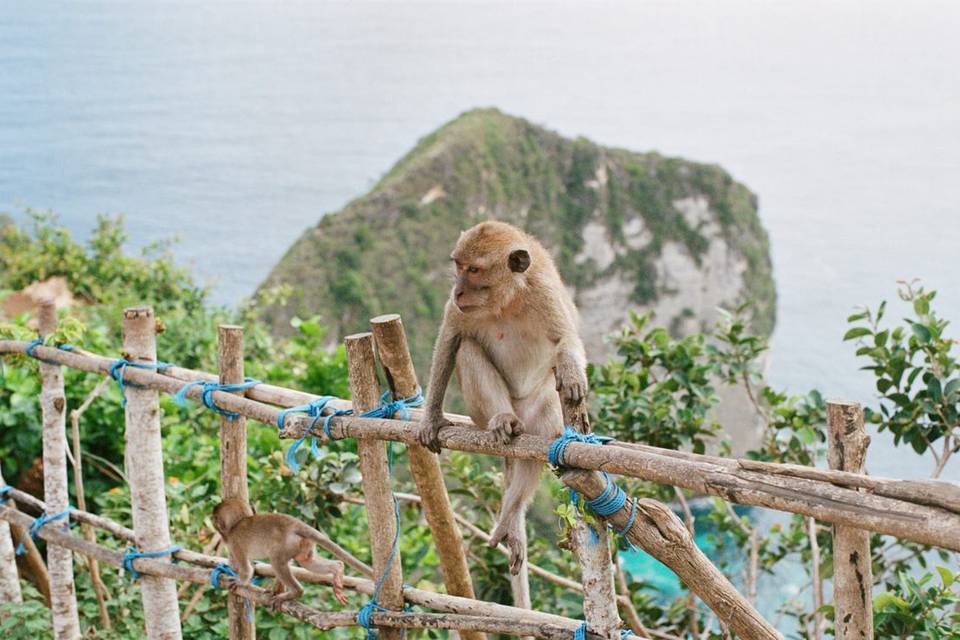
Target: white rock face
{"x": 688, "y": 295}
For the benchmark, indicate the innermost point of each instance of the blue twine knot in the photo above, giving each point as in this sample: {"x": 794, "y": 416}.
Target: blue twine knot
{"x": 208, "y": 389}
{"x": 225, "y": 569}
{"x": 558, "y": 448}
{"x": 625, "y": 634}
{"x": 387, "y": 409}
{"x": 313, "y": 409}
{"x": 38, "y": 342}
{"x": 4, "y": 493}
{"x": 581, "y": 632}
{"x": 119, "y": 366}
{"x": 132, "y": 554}
{"x": 38, "y": 523}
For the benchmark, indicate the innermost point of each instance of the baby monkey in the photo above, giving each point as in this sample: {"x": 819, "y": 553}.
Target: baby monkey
{"x": 278, "y": 538}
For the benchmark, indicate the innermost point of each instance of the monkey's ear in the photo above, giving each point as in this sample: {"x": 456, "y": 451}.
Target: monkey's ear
{"x": 519, "y": 260}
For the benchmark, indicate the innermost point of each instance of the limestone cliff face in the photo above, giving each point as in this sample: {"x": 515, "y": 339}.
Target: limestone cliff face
{"x": 628, "y": 230}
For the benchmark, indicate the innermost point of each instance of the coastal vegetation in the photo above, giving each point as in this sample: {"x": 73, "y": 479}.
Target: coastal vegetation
{"x": 657, "y": 389}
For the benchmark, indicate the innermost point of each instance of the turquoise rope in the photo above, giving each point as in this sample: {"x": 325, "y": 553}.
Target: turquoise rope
{"x": 119, "y": 366}
{"x": 315, "y": 410}
{"x": 208, "y": 389}
{"x": 558, "y": 448}
{"x": 132, "y": 554}
{"x": 387, "y": 409}
{"x": 38, "y": 342}
{"x": 581, "y": 632}
{"x": 38, "y": 523}
{"x": 4, "y": 493}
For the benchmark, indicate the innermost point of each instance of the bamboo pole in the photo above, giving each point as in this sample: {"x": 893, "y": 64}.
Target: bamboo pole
{"x": 77, "y": 459}
{"x": 233, "y": 467}
{"x": 428, "y": 599}
{"x": 659, "y": 532}
{"x": 374, "y": 467}
{"x": 9, "y": 579}
{"x": 391, "y": 343}
{"x": 852, "y": 571}
{"x": 53, "y": 405}
{"x": 927, "y": 512}
{"x": 557, "y": 628}
{"x": 144, "y": 468}
{"x": 592, "y": 548}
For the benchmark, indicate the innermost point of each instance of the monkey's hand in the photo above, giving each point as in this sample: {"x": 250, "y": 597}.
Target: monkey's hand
{"x": 505, "y": 426}
{"x": 429, "y": 433}
{"x": 571, "y": 378}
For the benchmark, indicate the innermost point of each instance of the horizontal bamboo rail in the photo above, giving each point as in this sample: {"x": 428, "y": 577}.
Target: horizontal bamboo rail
{"x": 827, "y": 496}
{"x": 513, "y": 625}
{"x": 420, "y": 597}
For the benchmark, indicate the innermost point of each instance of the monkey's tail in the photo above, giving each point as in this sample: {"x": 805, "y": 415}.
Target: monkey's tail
{"x": 324, "y": 541}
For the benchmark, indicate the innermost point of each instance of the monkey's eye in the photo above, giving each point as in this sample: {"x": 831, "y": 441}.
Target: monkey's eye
{"x": 473, "y": 269}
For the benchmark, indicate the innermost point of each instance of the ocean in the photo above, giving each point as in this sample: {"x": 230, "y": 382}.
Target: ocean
{"x": 234, "y": 126}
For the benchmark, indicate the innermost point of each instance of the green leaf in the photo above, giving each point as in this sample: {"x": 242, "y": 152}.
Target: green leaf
{"x": 947, "y": 576}
{"x": 952, "y": 387}
{"x": 856, "y": 332}
{"x": 807, "y": 435}
{"x": 921, "y": 306}
{"x": 922, "y": 333}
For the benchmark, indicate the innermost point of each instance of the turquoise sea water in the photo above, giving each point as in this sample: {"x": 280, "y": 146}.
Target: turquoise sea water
{"x": 236, "y": 125}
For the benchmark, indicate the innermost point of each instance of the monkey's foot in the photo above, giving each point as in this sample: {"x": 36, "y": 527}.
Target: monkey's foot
{"x": 429, "y": 433}
{"x": 518, "y": 551}
{"x": 504, "y": 426}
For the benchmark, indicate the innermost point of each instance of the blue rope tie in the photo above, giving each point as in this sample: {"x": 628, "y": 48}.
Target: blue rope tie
{"x": 315, "y": 410}
{"x": 387, "y": 409}
{"x": 4, "y": 493}
{"x": 132, "y": 554}
{"x": 581, "y": 632}
{"x": 120, "y": 365}
{"x": 625, "y": 634}
{"x": 208, "y": 389}
{"x": 225, "y": 569}
{"x": 38, "y": 523}
{"x": 558, "y": 448}
{"x": 610, "y": 500}
{"x": 38, "y": 342}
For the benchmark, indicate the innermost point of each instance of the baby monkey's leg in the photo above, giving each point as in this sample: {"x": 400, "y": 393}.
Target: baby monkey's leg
{"x": 309, "y": 560}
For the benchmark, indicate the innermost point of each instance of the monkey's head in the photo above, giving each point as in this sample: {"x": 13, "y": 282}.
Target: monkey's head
{"x": 228, "y": 513}
{"x": 491, "y": 262}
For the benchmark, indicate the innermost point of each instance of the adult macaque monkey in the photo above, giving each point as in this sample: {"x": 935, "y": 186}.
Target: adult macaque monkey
{"x": 279, "y": 538}
{"x": 511, "y": 330}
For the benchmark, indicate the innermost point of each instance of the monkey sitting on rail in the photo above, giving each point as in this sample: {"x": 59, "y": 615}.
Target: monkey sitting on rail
{"x": 510, "y": 329}
{"x": 279, "y": 538}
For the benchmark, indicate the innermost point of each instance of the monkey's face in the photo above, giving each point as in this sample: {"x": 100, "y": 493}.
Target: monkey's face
{"x": 486, "y": 282}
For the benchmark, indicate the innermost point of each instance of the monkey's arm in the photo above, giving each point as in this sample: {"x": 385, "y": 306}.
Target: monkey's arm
{"x": 441, "y": 368}
{"x": 571, "y": 364}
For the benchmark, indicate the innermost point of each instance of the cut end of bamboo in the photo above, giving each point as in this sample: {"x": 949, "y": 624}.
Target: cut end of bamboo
{"x": 358, "y": 337}
{"x": 144, "y": 311}
{"x": 386, "y": 318}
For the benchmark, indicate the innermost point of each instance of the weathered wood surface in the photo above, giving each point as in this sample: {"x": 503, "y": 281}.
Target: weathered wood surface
{"x": 53, "y": 406}
{"x": 375, "y": 471}
{"x": 143, "y": 455}
{"x": 9, "y": 578}
{"x": 592, "y": 549}
{"x": 905, "y": 515}
{"x": 241, "y": 618}
{"x": 390, "y": 340}
{"x": 506, "y": 621}
{"x": 847, "y": 443}
{"x": 659, "y": 532}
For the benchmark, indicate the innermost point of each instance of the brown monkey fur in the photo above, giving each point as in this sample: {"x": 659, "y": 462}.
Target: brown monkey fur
{"x": 279, "y": 538}
{"x": 511, "y": 330}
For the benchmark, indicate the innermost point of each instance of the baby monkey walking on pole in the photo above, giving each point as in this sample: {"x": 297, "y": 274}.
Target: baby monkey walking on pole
{"x": 510, "y": 329}
{"x": 278, "y": 538}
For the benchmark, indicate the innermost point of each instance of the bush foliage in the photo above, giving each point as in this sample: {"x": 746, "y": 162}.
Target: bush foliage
{"x": 659, "y": 390}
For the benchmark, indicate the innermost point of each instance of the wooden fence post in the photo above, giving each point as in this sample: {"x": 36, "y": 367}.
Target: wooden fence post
{"x": 374, "y": 466}
{"x": 233, "y": 466}
{"x": 592, "y": 548}
{"x": 9, "y": 579}
{"x": 847, "y": 443}
{"x": 143, "y": 455}
{"x": 391, "y": 343}
{"x": 53, "y": 406}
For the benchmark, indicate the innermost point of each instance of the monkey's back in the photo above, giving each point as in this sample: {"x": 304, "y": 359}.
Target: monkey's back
{"x": 267, "y": 534}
